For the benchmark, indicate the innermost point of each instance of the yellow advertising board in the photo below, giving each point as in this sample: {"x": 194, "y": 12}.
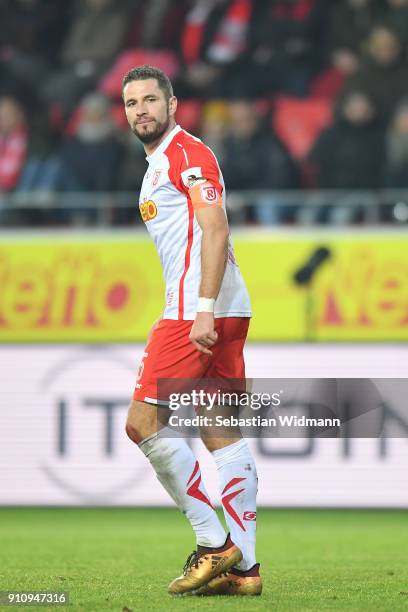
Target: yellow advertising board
{"x": 109, "y": 288}
{"x": 360, "y": 293}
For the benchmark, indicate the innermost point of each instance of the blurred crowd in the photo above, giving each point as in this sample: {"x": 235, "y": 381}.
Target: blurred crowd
{"x": 290, "y": 94}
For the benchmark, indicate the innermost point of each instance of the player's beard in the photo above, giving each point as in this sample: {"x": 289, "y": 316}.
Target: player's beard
{"x": 153, "y": 134}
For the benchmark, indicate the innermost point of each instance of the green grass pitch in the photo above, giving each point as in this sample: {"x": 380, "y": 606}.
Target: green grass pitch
{"x": 113, "y": 559}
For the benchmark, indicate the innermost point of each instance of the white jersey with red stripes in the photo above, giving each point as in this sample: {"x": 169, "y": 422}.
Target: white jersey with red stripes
{"x": 168, "y": 211}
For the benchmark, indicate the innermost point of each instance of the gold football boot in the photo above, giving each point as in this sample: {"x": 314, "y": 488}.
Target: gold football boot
{"x": 204, "y": 564}
{"x": 234, "y": 582}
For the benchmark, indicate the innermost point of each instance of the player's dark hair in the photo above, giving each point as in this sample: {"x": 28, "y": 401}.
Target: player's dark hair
{"x": 142, "y": 73}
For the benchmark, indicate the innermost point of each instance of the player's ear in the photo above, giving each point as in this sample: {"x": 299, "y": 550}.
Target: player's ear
{"x": 172, "y": 106}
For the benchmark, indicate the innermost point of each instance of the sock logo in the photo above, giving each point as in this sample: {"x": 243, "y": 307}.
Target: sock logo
{"x": 249, "y": 516}
{"x": 193, "y": 490}
{"x": 226, "y": 500}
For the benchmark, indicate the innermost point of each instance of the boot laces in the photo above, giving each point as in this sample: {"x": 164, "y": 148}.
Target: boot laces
{"x": 192, "y": 561}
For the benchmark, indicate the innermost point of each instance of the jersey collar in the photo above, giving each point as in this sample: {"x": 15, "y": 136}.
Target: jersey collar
{"x": 164, "y": 144}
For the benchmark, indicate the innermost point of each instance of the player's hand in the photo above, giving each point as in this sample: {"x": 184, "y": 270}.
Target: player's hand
{"x": 203, "y": 334}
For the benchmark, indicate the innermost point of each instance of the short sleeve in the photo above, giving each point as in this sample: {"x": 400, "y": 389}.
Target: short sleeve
{"x": 198, "y": 162}
{"x": 192, "y": 162}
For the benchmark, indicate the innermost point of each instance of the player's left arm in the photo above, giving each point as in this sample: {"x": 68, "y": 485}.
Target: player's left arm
{"x": 214, "y": 251}
{"x": 199, "y": 178}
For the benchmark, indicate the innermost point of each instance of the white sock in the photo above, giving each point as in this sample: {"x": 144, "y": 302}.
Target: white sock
{"x": 239, "y": 483}
{"x": 179, "y": 472}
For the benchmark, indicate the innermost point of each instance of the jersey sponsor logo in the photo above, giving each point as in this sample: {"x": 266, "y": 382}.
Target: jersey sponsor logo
{"x": 148, "y": 210}
{"x": 249, "y": 516}
{"x": 209, "y": 194}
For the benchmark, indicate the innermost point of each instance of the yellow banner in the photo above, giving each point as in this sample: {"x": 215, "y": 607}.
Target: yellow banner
{"x": 111, "y": 288}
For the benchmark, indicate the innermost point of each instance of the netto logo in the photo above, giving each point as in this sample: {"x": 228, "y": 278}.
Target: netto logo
{"x": 148, "y": 210}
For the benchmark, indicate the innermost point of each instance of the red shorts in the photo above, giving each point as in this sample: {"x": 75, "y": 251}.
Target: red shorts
{"x": 169, "y": 353}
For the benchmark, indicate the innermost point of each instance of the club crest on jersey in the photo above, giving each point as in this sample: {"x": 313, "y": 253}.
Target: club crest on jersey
{"x": 148, "y": 210}
{"x": 156, "y": 176}
{"x": 209, "y": 193}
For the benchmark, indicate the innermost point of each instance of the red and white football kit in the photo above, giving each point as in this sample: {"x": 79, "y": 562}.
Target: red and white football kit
{"x": 169, "y": 194}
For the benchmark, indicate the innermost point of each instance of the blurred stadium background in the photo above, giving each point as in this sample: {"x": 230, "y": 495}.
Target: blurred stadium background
{"x": 305, "y": 103}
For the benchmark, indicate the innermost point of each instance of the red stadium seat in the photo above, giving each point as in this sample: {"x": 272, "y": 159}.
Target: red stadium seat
{"x": 111, "y": 83}
{"x": 327, "y": 84}
{"x": 299, "y": 122}
{"x": 119, "y": 116}
{"x": 189, "y": 115}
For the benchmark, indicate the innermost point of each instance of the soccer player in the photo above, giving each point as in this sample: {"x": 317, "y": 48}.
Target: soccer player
{"x": 201, "y": 334}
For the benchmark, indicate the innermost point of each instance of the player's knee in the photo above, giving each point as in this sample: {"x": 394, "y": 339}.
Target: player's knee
{"x": 133, "y": 433}
{"x": 141, "y": 422}
{"x": 136, "y": 431}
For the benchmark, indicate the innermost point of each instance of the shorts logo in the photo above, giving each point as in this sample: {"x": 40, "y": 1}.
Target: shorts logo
{"x": 249, "y": 516}
{"x": 209, "y": 194}
{"x": 140, "y": 371}
{"x": 156, "y": 177}
{"x": 141, "y": 368}
{"x": 148, "y": 210}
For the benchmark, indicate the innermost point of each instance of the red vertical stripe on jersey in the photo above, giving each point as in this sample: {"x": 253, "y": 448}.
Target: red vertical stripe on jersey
{"x": 186, "y": 257}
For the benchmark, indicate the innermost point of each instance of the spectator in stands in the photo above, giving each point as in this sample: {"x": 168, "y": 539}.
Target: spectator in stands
{"x": 157, "y": 24}
{"x": 213, "y": 40}
{"x": 90, "y": 160}
{"x": 286, "y": 45}
{"x": 40, "y": 172}
{"x": 396, "y": 17}
{"x": 133, "y": 165}
{"x": 254, "y": 158}
{"x": 94, "y": 38}
{"x": 214, "y": 126}
{"x": 13, "y": 142}
{"x": 350, "y": 153}
{"x": 350, "y": 24}
{"x": 384, "y": 75}
{"x": 396, "y": 165}
{"x": 30, "y": 33}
